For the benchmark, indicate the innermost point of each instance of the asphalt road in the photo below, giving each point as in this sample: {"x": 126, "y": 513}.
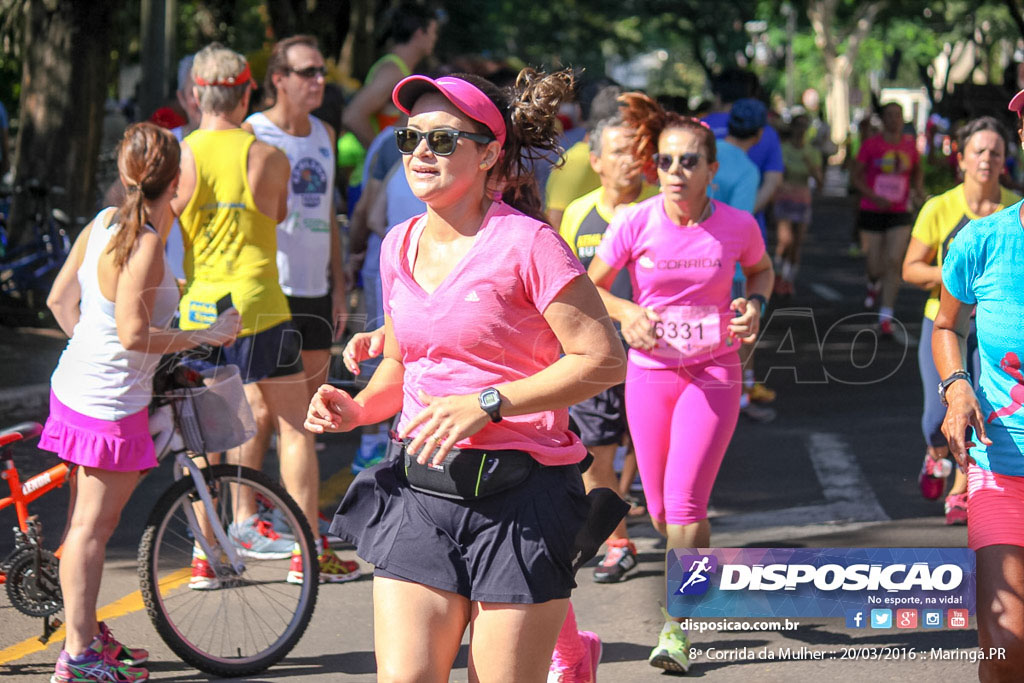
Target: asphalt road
{"x": 837, "y": 468}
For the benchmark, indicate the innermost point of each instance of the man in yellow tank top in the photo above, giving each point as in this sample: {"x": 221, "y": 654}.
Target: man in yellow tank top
{"x": 232, "y": 194}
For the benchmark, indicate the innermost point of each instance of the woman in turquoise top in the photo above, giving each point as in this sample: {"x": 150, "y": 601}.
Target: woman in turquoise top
{"x": 983, "y": 271}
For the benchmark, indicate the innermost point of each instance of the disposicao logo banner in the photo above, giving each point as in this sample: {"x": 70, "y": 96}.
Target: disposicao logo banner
{"x": 816, "y": 582}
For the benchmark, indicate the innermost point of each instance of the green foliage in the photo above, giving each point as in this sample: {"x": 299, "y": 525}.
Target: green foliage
{"x": 241, "y": 24}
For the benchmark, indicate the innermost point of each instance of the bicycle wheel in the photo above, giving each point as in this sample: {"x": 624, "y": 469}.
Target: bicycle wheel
{"x": 242, "y": 622}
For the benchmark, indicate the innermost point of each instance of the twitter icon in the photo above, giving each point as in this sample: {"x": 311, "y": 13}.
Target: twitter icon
{"x": 881, "y": 618}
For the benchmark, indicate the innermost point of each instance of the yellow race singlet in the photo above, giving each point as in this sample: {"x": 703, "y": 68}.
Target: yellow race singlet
{"x": 230, "y": 246}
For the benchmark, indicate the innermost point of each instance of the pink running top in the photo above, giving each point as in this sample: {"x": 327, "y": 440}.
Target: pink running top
{"x": 887, "y": 171}
{"x": 685, "y": 274}
{"x": 484, "y": 324}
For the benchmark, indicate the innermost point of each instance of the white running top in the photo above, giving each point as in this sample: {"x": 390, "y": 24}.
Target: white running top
{"x": 304, "y": 238}
{"x": 96, "y": 375}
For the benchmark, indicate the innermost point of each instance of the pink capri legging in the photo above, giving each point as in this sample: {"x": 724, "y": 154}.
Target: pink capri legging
{"x": 681, "y": 421}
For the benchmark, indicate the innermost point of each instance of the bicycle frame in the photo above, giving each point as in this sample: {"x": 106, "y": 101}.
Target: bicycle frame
{"x": 233, "y": 558}
{"x": 35, "y": 487}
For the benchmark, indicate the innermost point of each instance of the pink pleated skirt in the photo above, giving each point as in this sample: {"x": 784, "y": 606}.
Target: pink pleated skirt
{"x": 995, "y": 509}
{"x": 117, "y": 445}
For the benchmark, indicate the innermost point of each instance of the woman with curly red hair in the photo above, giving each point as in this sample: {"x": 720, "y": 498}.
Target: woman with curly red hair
{"x": 684, "y": 377}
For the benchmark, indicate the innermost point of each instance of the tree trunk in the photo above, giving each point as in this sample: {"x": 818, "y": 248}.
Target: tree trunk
{"x": 837, "y": 97}
{"x": 63, "y": 87}
{"x": 839, "y": 67}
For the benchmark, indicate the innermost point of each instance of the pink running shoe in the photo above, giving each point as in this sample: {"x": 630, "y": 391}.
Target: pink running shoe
{"x": 932, "y": 478}
{"x": 95, "y": 664}
{"x": 132, "y": 656}
{"x": 583, "y": 671}
{"x": 956, "y": 509}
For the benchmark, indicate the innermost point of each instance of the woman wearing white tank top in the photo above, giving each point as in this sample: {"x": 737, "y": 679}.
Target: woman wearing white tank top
{"x": 114, "y": 298}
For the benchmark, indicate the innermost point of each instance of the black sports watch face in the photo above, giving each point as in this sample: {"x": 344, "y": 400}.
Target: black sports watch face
{"x": 490, "y": 402}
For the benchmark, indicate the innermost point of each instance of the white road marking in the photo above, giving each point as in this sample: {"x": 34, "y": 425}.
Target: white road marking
{"x": 849, "y": 500}
{"x": 825, "y": 292}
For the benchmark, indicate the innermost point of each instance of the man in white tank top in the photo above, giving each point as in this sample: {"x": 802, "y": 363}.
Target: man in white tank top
{"x": 308, "y": 245}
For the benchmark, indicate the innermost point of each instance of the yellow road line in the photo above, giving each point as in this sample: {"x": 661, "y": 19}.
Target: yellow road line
{"x": 126, "y": 605}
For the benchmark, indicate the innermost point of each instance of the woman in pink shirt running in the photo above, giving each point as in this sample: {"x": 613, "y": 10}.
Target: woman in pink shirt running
{"x": 684, "y": 329}
{"x": 481, "y": 299}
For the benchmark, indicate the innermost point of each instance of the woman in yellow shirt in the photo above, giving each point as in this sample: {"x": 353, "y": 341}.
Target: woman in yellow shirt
{"x": 981, "y": 158}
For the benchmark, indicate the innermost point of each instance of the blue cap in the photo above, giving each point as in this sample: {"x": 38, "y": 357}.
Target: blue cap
{"x": 747, "y": 117}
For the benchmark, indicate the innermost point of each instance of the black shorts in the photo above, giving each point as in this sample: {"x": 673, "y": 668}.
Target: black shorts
{"x": 312, "y": 319}
{"x": 517, "y": 546}
{"x": 271, "y": 353}
{"x": 602, "y": 419}
{"x": 880, "y": 221}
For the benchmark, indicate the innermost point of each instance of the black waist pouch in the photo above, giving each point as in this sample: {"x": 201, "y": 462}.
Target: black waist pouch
{"x": 469, "y": 473}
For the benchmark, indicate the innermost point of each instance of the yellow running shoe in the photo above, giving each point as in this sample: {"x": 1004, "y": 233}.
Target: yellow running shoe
{"x": 333, "y": 569}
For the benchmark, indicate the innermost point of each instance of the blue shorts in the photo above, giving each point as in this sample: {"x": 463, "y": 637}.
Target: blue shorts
{"x": 601, "y": 419}
{"x": 275, "y": 352}
{"x": 516, "y": 546}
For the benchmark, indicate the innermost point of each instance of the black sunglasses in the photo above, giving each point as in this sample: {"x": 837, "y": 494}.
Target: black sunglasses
{"x": 309, "y": 71}
{"x": 440, "y": 141}
{"x": 688, "y": 161}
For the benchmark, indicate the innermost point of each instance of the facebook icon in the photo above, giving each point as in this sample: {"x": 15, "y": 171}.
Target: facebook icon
{"x": 855, "y": 618}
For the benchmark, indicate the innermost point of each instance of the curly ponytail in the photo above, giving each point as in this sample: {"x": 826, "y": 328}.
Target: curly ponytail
{"x": 530, "y": 109}
{"x": 147, "y": 159}
{"x": 648, "y": 118}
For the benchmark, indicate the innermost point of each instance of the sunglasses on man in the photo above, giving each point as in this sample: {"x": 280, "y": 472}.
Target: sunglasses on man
{"x": 309, "y": 72}
{"x": 440, "y": 141}
{"x": 688, "y": 161}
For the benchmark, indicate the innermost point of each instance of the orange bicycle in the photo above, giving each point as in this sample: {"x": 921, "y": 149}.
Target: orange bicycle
{"x": 30, "y": 571}
{"x": 248, "y": 613}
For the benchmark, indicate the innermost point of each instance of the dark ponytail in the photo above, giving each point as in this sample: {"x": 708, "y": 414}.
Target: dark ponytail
{"x": 530, "y": 109}
{"x": 147, "y": 159}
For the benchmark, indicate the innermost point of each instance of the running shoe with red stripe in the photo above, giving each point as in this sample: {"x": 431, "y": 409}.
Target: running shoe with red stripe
{"x": 257, "y": 539}
{"x": 620, "y": 560}
{"x": 932, "y": 478}
{"x": 203, "y": 577}
{"x": 333, "y": 569}
{"x": 132, "y": 656}
{"x": 956, "y": 508}
{"x": 95, "y": 664}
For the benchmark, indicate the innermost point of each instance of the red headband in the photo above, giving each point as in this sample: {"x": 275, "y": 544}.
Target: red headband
{"x": 244, "y": 77}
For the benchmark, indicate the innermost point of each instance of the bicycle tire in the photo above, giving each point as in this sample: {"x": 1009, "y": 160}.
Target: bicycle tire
{"x": 165, "y": 555}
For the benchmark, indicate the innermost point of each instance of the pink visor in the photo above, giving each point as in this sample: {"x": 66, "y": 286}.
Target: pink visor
{"x": 1017, "y": 103}
{"x": 466, "y": 97}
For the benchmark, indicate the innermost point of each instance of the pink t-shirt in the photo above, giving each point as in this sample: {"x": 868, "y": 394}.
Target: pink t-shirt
{"x": 484, "y": 325}
{"x": 685, "y": 274}
{"x": 887, "y": 171}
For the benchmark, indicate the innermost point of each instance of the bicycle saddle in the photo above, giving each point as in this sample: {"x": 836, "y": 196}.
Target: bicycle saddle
{"x": 20, "y": 432}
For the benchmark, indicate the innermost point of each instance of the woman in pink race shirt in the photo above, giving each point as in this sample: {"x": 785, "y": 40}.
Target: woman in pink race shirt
{"x": 481, "y": 300}
{"x": 684, "y": 378}
{"x": 888, "y": 175}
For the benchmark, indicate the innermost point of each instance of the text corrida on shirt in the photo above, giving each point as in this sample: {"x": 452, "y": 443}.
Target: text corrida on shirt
{"x": 818, "y": 582}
